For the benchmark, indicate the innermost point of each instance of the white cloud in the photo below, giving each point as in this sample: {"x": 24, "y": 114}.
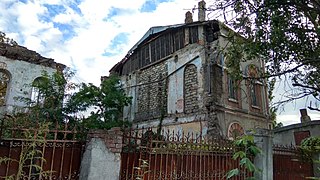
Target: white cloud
{"x": 93, "y": 29}
{"x": 69, "y": 17}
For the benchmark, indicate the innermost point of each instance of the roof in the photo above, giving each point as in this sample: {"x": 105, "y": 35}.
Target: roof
{"x": 156, "y": 30}
{"x": 17, "y": 52}
{"x": 151, "y": 31}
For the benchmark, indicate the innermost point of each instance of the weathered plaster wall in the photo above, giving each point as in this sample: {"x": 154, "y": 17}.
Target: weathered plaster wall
{"x": 246, "y": 115}
{"x": 102, "y": 157}
{"x": 130, "y": 86}
{"x": 285, "y": 135}
{"x": 193, "y": 96}
{"x": 22, "y": 74}
{"x": 99, "y": 163}
{"x": 190, "y": 55}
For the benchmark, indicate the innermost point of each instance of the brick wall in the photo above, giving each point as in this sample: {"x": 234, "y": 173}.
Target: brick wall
{"x": 152, "y": 94}
{"x": 217, "y": 83}
{"x": 112, "y": 138}
{"x": 191, "y": 89}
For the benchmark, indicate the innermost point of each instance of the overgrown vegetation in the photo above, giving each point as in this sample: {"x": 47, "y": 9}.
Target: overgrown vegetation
{"x": 90, "y": 107}
{"x": 284, "y": 34}
{"x": 106, "y": 103}
{"x": 310, "y": 147}
{"x": 246, "y": 150}
{"x": 31, "y": 159}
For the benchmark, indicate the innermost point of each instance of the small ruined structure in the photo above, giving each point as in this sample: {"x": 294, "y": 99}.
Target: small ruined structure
{"x": 19, "y": 68}
{"x": 177, "y": 77}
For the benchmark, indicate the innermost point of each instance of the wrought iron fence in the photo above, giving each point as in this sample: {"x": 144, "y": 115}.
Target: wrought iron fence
{"x": 174, "y": 155}
{"x": 40, "y": 153}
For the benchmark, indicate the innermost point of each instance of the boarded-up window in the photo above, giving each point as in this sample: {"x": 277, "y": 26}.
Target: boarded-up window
{"x": 134, "y": 64}
{"x": 210, "y": 34}
{"x": 153, "y": 51}
{"x": 4, "y": 82}
{"x": 158, "y": 50}
{"x": 190, "y": 89}
{"x": 193, "y": 34}
{"x": 178, "y": 40}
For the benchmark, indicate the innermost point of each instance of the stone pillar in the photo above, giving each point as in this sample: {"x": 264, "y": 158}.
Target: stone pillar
{"x": 102, "y": 159}
{"x": 316, "y": 165}
{"x": 304, "y": 116}
{"x": 188, "y": 18}
{"x": 202, "y": 11}
{"x": 264, "y": 160}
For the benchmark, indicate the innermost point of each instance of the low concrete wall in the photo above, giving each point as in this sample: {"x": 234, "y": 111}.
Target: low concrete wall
{"x": 285, "y": 135}
{"x": 102, "y": 159}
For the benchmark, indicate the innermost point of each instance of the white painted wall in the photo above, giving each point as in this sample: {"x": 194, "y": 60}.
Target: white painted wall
{"x": 22, "y": 74}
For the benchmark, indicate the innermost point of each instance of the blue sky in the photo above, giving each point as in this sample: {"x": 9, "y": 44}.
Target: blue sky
{"x": 90, "y": 36}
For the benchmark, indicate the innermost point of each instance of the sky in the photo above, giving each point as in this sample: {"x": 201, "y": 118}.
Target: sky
{"x": 91, "y": 36}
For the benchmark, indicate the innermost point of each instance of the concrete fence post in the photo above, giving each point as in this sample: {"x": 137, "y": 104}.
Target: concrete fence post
{"x": 264, "y": 161}
{"x": 102, "y": 159}
{"x": 316, "y": 165}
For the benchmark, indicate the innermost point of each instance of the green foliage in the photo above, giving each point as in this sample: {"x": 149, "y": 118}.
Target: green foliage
{"x": 60, "y": 103}
{"x": 107, "y": 102}
{"x": 246, "y": 149}
{"x": 52, "y": 90}
{"x": 311, "y": 144}
{"x": 309, "y": 147}
{"x": 232, "y": 173}
{"x": 284, "y": 34}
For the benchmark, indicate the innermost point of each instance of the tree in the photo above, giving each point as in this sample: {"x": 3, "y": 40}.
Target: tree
{"x": 105, "y": 101}
{"x": 284, "y": 33}
{"x": 61, "y": 104}
{"x": 49, "y": 103}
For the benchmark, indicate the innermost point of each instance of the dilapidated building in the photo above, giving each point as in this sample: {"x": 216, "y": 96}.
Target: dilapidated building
{"x": 178, "y": 79}
{"x": 19, "y": 68}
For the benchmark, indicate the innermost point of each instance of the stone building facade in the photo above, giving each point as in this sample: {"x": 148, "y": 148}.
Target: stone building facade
{"x": 177, "y": 76}
{"x": 19, "y": 68}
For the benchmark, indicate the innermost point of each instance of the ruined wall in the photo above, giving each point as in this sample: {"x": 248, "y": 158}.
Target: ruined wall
{"x": 22, "y": 74}
{"x": 152, "y": 92}
{"x": 190, "y": 89}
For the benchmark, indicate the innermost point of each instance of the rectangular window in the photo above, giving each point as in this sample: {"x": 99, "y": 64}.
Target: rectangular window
{"x": 254, "y": 93}
{"x": 232, "y": 89}
{"x": 193, "y": 34}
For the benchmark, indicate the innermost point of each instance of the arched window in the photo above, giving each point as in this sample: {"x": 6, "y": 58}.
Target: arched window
{"x": 254, "y": 86}
{"x": 190, "y": 89}
{"x": 37, "y": 97}
{"x": 4, "y": 83}
{"x": 235, "y": 130}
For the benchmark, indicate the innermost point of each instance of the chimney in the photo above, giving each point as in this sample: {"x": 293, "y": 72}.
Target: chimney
{"x": 202, "y": 11}
{"x": 188, "y": 18}
{"x": 304, "y": 116}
